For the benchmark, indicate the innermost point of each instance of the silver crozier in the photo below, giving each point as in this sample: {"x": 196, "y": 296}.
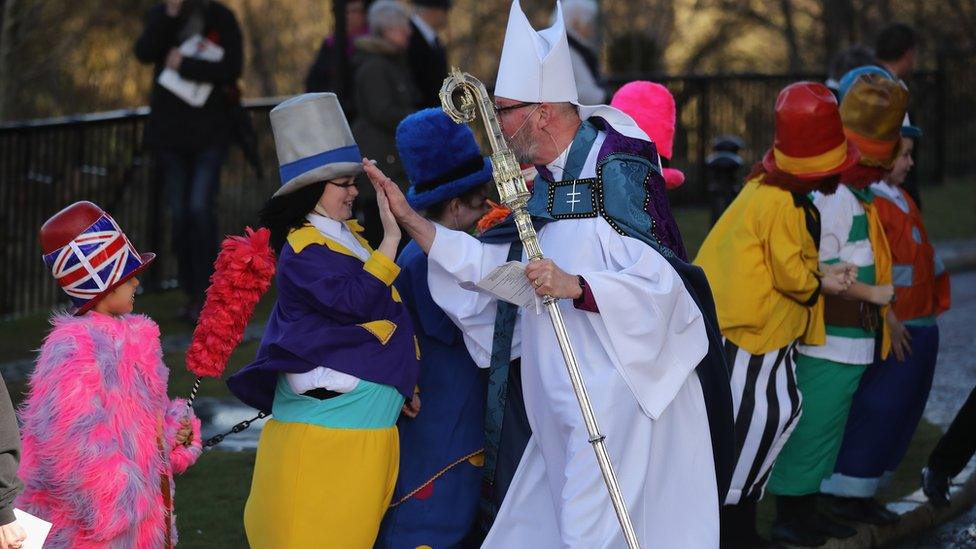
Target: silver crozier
{"x": 515, "y": 194}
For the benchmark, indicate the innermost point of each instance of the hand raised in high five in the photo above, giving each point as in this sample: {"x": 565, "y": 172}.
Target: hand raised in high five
{"x": 420, "y": 229}
{"x": 384, "y": 185}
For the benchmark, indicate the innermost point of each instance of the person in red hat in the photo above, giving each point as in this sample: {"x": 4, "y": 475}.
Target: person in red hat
{"x": 762, "y": 263}
{"x": 101, "y": 439}
{"x": 872, "y": 112}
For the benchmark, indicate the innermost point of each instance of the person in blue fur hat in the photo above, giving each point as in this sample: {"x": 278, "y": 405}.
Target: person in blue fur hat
{"x": 435, "y": 502}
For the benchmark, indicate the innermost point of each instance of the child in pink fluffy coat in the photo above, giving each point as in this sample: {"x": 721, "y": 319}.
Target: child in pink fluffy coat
{"x": 101, "y": 439}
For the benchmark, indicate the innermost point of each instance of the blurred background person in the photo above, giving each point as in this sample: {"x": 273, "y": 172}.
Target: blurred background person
{"x": 323, "y": 74}
{"x": 385, "y": 95}
{"x": 425, "y": 54}
{"x": 845, "y": 61}
{"x": 895, "y": 49}
{"x": 581, "y": 31}
{"x": 951, "y": 454}
{"x": 190, "y": 143}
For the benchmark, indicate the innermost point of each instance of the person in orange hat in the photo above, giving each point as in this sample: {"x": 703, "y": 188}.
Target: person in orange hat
{"x": 101, "y": 439}
{"x": 762, "y": 263}
{"x": 828, "y": 375}
{"x": 891, "y": 397}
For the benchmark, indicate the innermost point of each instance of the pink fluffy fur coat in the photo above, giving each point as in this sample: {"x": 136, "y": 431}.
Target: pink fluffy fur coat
{"x": 92, "y": 422}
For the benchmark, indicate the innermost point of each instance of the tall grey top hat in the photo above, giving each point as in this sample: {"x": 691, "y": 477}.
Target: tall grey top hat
{"x": 313, "y": 141}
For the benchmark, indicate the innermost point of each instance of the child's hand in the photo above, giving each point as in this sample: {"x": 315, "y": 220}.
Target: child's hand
{"x": 883, "y": 295}
{"x": 901, "y": 340}
{"x": 12, "y": 536}
{"x": 184, "y": 436}
{"x": 412, "y": 408}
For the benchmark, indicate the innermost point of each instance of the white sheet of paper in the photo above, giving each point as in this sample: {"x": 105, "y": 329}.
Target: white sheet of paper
{"x": 37, "y": 529}
{"x": 508, "y": 283}
{"x": 194, "y": 93}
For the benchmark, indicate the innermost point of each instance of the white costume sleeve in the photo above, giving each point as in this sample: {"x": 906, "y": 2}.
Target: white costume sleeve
{"x": 456, "y": 257}
{"x": 647, "y": 318}
{"x": 836, "y": 218}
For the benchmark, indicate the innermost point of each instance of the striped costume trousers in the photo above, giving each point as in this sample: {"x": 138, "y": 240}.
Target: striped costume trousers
{"x": 766, "y": 404}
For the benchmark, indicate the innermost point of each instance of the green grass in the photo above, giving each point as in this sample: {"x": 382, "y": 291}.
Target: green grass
{"x": 904, "y": 482}
{"x": 948, "y": 210}
{"x": 693, "y": 222}
{"x": 210, "y": 500}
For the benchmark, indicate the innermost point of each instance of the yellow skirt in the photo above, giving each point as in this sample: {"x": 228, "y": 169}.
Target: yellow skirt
{"x": 320, "y": 487}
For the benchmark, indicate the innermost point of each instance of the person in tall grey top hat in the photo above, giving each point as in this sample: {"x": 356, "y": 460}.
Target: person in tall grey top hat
{"x": 338, "y": 358}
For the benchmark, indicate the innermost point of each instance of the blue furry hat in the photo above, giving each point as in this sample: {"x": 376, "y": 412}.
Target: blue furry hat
{"x": 441, "y": 158}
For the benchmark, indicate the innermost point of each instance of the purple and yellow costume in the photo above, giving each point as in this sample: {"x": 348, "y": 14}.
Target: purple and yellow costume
{"x": 326, "y": 469}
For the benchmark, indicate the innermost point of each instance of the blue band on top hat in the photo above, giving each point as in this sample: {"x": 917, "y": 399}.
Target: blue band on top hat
{"x": 294, "y": 169}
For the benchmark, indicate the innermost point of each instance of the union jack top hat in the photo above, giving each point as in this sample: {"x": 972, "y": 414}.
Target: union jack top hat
{"x": 88, "y": 254}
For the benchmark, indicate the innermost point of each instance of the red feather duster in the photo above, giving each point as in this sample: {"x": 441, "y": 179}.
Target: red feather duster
{"x": 242, "y": 274}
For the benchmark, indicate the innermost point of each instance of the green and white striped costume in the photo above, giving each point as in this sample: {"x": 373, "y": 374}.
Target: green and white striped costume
{"x": 828, "y": 376}
{"x": 844, "y": 238}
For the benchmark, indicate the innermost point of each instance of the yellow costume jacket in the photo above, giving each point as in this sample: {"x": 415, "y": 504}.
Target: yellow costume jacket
{"x": 761, "y": 260}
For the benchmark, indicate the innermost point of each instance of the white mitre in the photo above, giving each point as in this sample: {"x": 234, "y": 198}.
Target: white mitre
{"x": 536, "y": 67}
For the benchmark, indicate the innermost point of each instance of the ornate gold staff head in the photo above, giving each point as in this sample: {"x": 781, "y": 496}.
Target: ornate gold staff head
{"x": 467, "y": 110}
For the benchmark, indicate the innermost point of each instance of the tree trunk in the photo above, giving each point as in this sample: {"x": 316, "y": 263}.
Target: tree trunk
{"x": 789, "y": 33}
{"x": 256, "y": 30}
{"x": 838, "y": 17}
{"x": 7, "y": 84}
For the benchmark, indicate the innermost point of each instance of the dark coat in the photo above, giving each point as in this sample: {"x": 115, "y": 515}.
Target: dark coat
{"x": 428, "y": 65}
{"x": 385, "y": 95}
{"x": 323, "y": 75}
{"x": 174, "y": 124}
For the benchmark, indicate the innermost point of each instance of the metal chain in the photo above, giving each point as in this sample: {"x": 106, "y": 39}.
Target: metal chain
{"x": 216, "y": 439}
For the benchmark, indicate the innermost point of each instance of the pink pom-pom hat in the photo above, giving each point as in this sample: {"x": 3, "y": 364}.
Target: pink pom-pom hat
{"x": 652, "y": 106}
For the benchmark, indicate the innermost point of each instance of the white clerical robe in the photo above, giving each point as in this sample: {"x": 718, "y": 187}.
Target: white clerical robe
{"x": 637, "y": 357}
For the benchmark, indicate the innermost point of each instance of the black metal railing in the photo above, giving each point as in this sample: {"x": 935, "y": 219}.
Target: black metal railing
{"x": 47, "y": 164}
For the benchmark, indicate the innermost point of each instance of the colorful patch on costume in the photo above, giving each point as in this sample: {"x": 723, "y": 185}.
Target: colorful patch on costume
{"x": 382, "y": 329}
{"x": 574, "y": 199}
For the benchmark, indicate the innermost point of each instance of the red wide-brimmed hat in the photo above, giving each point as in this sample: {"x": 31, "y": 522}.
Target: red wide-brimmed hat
{"x": 810, "y": 142}
{"x": 88, "y": 254}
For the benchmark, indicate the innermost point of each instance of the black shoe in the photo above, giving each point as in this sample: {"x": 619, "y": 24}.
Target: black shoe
{"x": 752, "y": 541}
{"x": 880, "y": 512}
{"x": 936, "y": 487}
{"x": 863, "y": 510}
{"x": 797, "y": 532}
{"x": 759, "y": 543}
{"x": 829, "y": 527}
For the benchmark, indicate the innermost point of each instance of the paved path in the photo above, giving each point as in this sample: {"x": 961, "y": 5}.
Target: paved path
{"x": 954, "y": 379}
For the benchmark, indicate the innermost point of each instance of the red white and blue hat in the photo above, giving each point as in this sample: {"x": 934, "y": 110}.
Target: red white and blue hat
{"x": 88, "y": 254}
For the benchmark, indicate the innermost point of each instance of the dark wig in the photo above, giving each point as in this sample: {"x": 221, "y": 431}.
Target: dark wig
{"x": 860, "y": 176}
{"x": 285, "y": 212}
{"x": 436, "y": 211}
